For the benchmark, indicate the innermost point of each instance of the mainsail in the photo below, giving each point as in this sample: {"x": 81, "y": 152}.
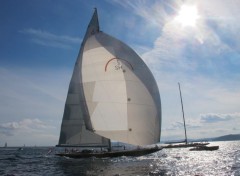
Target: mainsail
{"x": 112, "y": 94}
{"x": 73, "y": 130}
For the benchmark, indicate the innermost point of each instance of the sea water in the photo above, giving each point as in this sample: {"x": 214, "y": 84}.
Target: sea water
{"x": 179, "y": 161}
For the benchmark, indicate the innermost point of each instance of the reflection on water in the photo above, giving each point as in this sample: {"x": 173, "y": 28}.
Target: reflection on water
{"x": 107, "y": 166}
{"x": 89, "y": 166}
{"x": 219, "y": 162}
{"x": 225, "y": 161}
{"x": 34, "y": 161}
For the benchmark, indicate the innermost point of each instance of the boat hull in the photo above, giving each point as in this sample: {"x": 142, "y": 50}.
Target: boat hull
{"x": 200, "y": 148}
{"x": 136, "y": 152}
{"x": 185, "y": 145}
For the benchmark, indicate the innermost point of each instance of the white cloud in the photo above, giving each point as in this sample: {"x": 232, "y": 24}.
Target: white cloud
{"x": 215, "y": 118}
{"x": 28, "y": 131}
{"x": 204, "y": 126}
{"x": 32, "y": 93}
{"x": 27, "y": 124}
{"x": 201, "y": 59}
{"x": 180, "y": 126}
{"x": 156, "y": 12}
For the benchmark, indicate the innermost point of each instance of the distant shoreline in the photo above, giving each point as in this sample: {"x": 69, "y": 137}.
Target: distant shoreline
{"x": 229, "y": 137}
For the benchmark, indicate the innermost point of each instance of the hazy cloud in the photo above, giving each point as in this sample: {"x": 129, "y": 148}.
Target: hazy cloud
{"x": 180, "y": 125}
{"x": 214, "y": 118}
{"x": 26, "y": 125}
{"x": 175, "y": 126}
{"x": 49, "y": 39}
{"x": 156, "y": 12}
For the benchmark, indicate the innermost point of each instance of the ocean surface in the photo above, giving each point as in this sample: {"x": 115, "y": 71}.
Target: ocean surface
{"x": 35, "y": 161}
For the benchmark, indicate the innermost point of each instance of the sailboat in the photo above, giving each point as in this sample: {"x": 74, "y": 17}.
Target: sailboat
{"x": 184, "y": 124}
{"x": 184, "y": 143}
{"x": 112, "y": 96}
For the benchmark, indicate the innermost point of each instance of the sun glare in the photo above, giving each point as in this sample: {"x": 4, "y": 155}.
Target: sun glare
{"x": 187, "y": 15}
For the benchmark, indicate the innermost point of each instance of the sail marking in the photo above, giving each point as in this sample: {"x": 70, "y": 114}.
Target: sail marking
{"x": 118, "y": 62}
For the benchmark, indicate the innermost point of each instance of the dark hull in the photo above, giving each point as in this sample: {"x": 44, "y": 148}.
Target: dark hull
{"x": 200, "y": 148}
{"x": 136, "y": 152}
{"x": 185, "y": 145}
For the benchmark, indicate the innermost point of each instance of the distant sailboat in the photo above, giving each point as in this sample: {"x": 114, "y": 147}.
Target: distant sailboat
{"x": 112, "y": 96}
{"x": 185, "y": 131}
{"x": 5, "y": 144}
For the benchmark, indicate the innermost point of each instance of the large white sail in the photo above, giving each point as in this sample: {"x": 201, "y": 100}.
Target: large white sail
{"x": 73, "y": 130}
{"x": 121, "y": 94}
{"x": 112, "y": 93}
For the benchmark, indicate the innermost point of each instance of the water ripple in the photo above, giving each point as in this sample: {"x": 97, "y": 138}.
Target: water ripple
{"x": 168, "y": 162}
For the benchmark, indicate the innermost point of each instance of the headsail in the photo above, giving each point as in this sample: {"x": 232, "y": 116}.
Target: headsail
{"x": 73, "y": 130}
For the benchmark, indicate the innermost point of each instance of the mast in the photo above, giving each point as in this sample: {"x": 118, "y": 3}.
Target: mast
{"x": 183, "y": 113}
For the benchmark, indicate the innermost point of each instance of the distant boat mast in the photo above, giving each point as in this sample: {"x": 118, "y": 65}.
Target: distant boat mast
{"x": 183, "y": 113}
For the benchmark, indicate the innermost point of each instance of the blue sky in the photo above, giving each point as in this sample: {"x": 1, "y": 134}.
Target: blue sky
{"x": 40, "y": 40}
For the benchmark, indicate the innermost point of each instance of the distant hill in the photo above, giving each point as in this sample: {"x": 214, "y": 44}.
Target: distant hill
{"x": 230, "y": 137}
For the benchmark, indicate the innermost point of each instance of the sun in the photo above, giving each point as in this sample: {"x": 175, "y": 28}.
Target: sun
{"x": 187, "y": 16}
